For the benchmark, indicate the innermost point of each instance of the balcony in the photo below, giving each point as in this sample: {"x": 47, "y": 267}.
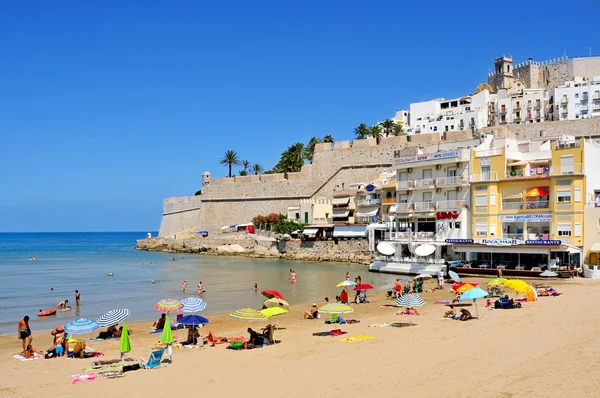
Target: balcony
{"x": 502, "y": 111}
{"x": 397, "y": 235}
{"x": 517, "y": 109}
{"x": 564, "y": 101}
{"x": 369, "y": 202}
{"x": 424, "y": 206}
{"x": 448, "y": 205}
{"x": 424, "y": 235}
{"x": 403, "y": 207}
{"x": 584, "y": 108}
{"x": 513, "y": 236}
{"x": 514, "y": 204}
{"x": 533, "y": 172}
{"x": 425, "y": 183}
{"x": 388, "y": 201}
{"x": 404, "y": 184}
{"x": 450, "y": 181}
{"x": 537, "y": 204}
{"x": 596, "y": 108}
{"x": 584, "y": 99}
{"x": 577, "y": 168}
{"x": 538, "y": 106}
{"x": 596, "y": 98}
{"x": 485, "y": 177}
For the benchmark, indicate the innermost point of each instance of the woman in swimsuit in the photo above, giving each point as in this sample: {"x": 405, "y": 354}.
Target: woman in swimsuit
{"x": 293, "y": 276}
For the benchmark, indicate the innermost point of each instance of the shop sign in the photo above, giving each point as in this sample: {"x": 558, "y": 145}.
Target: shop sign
{"x": 543, "y": 242}
{"x": 398, "y": 160}
{"x": 463, "y": 241}
{"x": 499, "y": 242}
{"x": 370, "y": 188}
{"x": 446, "y": 215}
{"x": 526, "y": 217}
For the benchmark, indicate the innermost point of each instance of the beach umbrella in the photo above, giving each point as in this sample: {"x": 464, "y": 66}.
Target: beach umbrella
{"x": 517, "y": 285}
{"x": 410, "y": 300}
{"x": 496, "y": 281}
{"x": 548, "y": 274}
{"x": 193, "y": 320}
{"x": 248, "y": 314}
{"x": 193, "y": 304}
{"x": 273, "y": 311}
{"x": 272, "y": 294}
{"x": 167, "y": 337}
{"x": 363, "y": 286}
{"x": 466, "y": 286}
{"x": 473, "y": 294}
{"x": 423, "y": 276}
{"x": 536, "y": 192}
{"x": 81, "y": 326}
{"x": 113, "y": 317}
{"x": 454, "y": 276}
{"x": 124, "y": 343}
{"x": 168, "y": 305}
{"x": 346, "y": 283}
{"x": 277, "y": 303}
{"x": 336, "y": 308}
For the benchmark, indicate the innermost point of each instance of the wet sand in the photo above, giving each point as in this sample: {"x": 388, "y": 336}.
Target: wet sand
{"x": 546, "y": 348}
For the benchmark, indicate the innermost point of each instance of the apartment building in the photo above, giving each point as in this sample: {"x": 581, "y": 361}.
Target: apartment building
{"x": 578, "y": 99}
{"x": 521, "y": 106}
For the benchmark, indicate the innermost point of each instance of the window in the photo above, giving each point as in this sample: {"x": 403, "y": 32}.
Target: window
{"x": 564, "y": 230}
{"x": 457, "y": 225}
{"x": 492, "y": 199}
{"x": 481, "y": 229}
{"x": 566, "y": 164}
{"x": 563, "y": 196}
{"x": 576, "y": 95}
{"x": 481, "y": 200}
{"x": 492, "y": 229}
{"x": 578, "y": 229}
{"x": 427, "y": 196}
{"x": 577, "y": 194}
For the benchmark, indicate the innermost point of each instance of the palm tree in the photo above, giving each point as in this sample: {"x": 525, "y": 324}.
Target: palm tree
{"x": 387, "y": 127}
{"x": 257, "y": 169}
{"x": 246, "y": 165}
{"x": 361, "y": 132}
{"x": 243, "y": 173}
{"x": 230, "y": 159}
{"x": 375, "y": 131}
{"x": 398, "y": 130}
{"x": 328, "y": 138}
{"x": 309, "y": 150}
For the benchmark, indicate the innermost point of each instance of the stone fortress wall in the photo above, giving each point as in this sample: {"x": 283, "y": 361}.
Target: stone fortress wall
{"x": 227, "y": 201}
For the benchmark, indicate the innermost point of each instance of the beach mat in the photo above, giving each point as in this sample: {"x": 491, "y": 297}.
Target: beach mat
{"x": 354, "y": 339}
{"x": 111, "y": 361}
{"x": 333, "y": 333}
{"x": 22, "y": 358}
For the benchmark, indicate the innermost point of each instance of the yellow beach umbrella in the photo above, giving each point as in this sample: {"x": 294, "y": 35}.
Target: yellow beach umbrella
{"x": 273, "y": 311}
{"x": 277, "y": 303}
{"x": 497, "y": 281}
{"x": 517, "y": 285}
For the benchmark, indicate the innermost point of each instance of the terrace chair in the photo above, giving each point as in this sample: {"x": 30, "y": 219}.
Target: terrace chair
{"x": 154, "y": 360}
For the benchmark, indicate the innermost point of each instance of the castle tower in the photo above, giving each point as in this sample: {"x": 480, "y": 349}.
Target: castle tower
{"x": 205, "y": 178}
{"x": 503, "y": 76}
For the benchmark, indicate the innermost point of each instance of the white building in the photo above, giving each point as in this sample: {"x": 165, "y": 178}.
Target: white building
{"x": 439, "y": 115}
{"x": 402, "y": 117}
{"x": 578, "y": 99}
{"x": 521, "y": 106}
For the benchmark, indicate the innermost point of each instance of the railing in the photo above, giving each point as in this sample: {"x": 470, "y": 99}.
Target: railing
{"x": 584, "y": 108}
{"x": 387, "y": 201}
{"x": 403, "y": 207}
{"x": 513, "y": 236}
{"x": 369, "y": 202}
{"x": 538, "y": 106}
{"x": 450, "y": 181}
{"x": 532, "y": 172}
{"x": 448, "y": 205}
{"x": 517, "y": 109}
{"x": 537, "y": 204}
{"x": 424, "y": 183}
{"x": 584, "y": 99}
{"x": 423, "y": 206}
{"x": 396, "y": 235}
{"x": 485, "y": 177}
{"x": 489, "y": 152}
{"x": 596, "y": 108}
{"x": 564, "y": 100}
{"x": 502, "y": 111}
{"x": 367, "y": 219}
{"x": 512, "y": 204}
{"x": 405, "y": 184}
{"x": 566, "y": 170}
{"x": 424, "y": 235}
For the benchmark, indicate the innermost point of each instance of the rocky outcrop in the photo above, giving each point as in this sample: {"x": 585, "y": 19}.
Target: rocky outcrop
{"x": 354, "y": 251}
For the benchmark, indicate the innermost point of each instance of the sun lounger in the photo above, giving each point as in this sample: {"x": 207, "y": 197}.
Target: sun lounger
{"x": 154, "y": 360}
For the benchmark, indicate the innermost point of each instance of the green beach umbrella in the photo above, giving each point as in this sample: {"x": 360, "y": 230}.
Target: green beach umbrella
{"x": 124, "y": 344}
{"x": 167, "y": 337}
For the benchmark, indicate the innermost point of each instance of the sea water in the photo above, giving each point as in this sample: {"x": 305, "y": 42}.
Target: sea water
{"x": 68, "y": 261}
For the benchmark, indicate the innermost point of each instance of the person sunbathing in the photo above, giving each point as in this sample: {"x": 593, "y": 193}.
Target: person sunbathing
{"x": 313, "y": 313}
{"x": 211, "y": 338}
{"x": 450, "y": 313}
{"x": 192, "y": 337}
{"x": 410, "y": 311}
{"x": 465, "y": 315}
{"x": 160, "y": 323}
{"x": 108, "y": 333}
{"x": 30, "y": 352}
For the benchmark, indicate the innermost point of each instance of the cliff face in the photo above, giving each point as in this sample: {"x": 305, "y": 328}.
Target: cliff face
{"x": 354, "y": 251}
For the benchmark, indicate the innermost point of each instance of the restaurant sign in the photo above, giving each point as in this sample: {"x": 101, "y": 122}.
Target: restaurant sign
{"x": 400, "y": 160}
{"x": 526, "y": 217}
{"x": 464, "y": 241}
{"x": 543, "y": 242}
{"x": 499, "y": 242}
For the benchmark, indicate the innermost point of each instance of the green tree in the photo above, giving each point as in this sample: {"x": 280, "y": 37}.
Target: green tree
{"x": 328, "y": 138}
{"x": 398, "y": 130}
{"x": 309, "y": 150}
{"x": 361, "y": 131}
{"x": 375, "y": 132}
{"x": 387, "y": 127}
{"x": 291, "y": 160}
{"x": 257, "y": 169}
{"x": 246, "y": 165}
{"x": 243, "y": 173}
{"x": 230, "y": 159}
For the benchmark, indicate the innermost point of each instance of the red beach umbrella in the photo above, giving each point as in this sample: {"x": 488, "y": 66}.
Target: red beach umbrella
{"x": 364, "y": 286}
{"x": 272, "y": 294}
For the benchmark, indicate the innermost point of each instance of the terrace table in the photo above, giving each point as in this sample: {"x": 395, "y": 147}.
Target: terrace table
{"x": 484, "y": 266}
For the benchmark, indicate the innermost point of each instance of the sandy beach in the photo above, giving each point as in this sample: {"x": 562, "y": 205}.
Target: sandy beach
{"x": 546, "y": 348}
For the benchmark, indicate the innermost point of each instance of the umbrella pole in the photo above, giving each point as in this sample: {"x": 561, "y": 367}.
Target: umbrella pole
{"x": 476, "y": 308}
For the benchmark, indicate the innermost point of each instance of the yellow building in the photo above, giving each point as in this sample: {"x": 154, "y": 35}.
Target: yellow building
{"x": 528, "y": 202}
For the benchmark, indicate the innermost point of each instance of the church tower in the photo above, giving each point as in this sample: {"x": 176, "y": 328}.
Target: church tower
{"x": 503, "y": 77}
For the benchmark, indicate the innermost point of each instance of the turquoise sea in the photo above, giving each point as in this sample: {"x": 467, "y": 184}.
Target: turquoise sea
{"x": 69, "y": 261}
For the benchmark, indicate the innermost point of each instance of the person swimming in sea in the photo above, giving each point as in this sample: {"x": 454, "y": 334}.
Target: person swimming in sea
{"x": 293, "y": 276}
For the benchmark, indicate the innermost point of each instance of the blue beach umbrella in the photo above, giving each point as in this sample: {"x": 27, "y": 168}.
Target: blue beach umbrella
{"x": 193, "y": 304}
{"x": 193, "y": 320}
{"x": 473, "y": 294}
{"x": 454, "y": 276}
{"x": 81, "y": 326}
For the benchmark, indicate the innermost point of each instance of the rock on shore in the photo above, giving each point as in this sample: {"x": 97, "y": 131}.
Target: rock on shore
{"x": 240, "y": 244}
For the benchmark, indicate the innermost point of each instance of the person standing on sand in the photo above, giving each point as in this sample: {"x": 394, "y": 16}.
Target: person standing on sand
{"x": 77, "y": 298}
{"x": 184, "y": 286}
{"x": 441, "y": 279}
{"x": 24, "y": 332}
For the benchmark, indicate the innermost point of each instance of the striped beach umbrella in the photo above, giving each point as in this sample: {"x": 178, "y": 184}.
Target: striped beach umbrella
{"x": 113, "y": 317}
{"x": 336, "y": 308}
{"x": 248, "y": 314}
{"x": 410, "y": 300}
{"x": 346, "y": 283}
{"x": 193, "y": 304}
{"x": 81, "y": 326}
{"x": 168, "y": 305}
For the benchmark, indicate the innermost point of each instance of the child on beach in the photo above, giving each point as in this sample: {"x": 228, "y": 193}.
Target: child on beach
{"x": 293, "y": 276}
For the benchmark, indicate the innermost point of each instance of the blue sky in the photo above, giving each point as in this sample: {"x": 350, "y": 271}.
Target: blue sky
{"x": 108, "y": 107}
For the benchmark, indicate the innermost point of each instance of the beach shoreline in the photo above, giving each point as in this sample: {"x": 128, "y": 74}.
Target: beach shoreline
{"x": 506, "y": 353}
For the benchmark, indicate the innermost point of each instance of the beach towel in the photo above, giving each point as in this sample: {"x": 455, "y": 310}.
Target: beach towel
{"x": 102, "y": 367}
{"x": 97, "y": 339}
{"x": 379, "y": 325}
{"x": 401, "y": 325}
{"x": 83, "y": 378}
{"x": 351, "y": 321}
{"x": 354, "y": 339}
{"x": 111, "y": 361}
{"x": 22, "y": 358}
{"x": 443, "y": 302}
{"x": 335, "y": 332}
{"x": 389, "y": 306}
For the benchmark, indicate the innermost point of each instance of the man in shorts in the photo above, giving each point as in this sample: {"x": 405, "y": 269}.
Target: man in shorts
{"x": 24, "y": 332}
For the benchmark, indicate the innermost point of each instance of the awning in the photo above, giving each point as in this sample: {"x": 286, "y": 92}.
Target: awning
{"x": 392, "y": 208}
{"x": 310, "y": 231}
{"x": 595, "y": 248}
{"x": 526, "y": 162}
{"x": 340, "y": 213}
{"x": 244, "y": 225}
{"x": 389, "y": 218}
{"x": 380, "y": 227}
{"x": 350, "y": 231}
{"x": 340, "y": 201}
{"x": 367, "y": 211}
